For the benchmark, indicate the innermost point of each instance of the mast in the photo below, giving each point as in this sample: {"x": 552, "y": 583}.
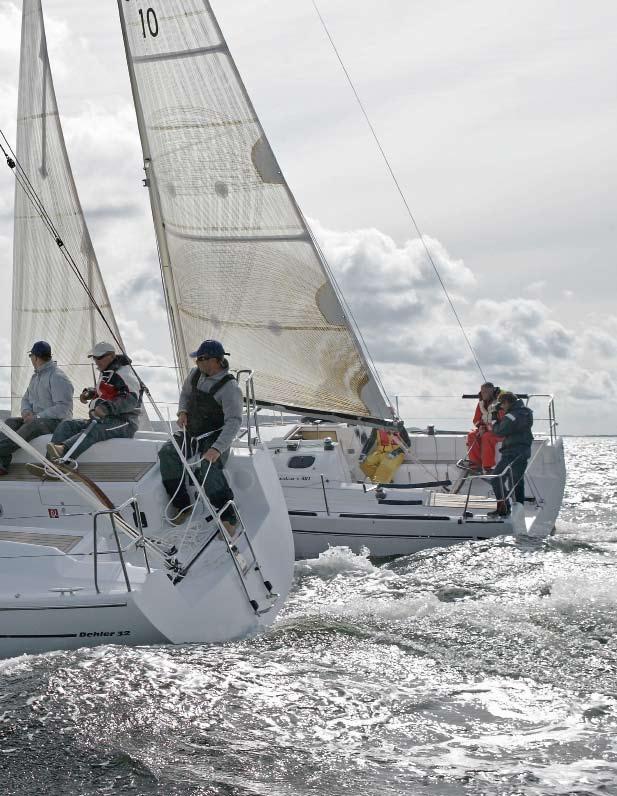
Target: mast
{"x": 180, "y": 350}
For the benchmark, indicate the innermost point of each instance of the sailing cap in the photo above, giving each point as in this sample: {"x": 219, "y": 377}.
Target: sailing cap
{"x": 100, "y": 349}
{"x": 41, "y": 349}
{"x": 210, "y": 348}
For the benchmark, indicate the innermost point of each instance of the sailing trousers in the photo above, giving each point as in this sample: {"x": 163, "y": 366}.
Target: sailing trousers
{"x": 27, "y": 431}
{"x": 517, "y": 459}
{"x": 68, "y": 432}
{"x": 481, "y": 448}
{"x": 216, "y": 487}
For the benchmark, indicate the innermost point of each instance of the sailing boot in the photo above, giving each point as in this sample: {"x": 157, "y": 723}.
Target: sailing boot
{"x": 502, "y": 510}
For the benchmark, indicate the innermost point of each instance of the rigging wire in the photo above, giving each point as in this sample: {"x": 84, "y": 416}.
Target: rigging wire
{"x": 398, "y": 186}
{"x": 24, "y": 182}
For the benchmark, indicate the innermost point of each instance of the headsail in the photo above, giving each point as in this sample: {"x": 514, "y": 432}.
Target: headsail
{"x": 238, "y": 260}
{"x": 48, "y": 301}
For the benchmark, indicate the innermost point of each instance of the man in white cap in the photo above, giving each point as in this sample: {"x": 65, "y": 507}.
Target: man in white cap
{"x": 114, "y": 403}
{"x": 47, "y": 401}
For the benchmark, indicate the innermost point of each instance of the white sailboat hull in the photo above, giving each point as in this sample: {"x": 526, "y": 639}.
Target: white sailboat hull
{"x": 388, "y": 535}
{"x": 328, "y": 509}
{"x": 55, "y": 593}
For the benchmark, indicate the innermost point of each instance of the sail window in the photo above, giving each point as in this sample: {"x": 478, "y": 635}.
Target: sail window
{"x": 300, "y": 462}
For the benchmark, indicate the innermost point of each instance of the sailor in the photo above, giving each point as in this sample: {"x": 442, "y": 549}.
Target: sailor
{"x": 47, "y": 401}
{"x": 482, "y": 441}
{"x": 209, "y": 416}
{"x": 515, "y": 428}
{"x": 114, "y": 403}
{"x": 381, "y": 456}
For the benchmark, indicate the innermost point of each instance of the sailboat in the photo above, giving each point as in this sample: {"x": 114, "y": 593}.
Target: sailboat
{"x": 90, "y": 558}
{"x": 240, "y": 263}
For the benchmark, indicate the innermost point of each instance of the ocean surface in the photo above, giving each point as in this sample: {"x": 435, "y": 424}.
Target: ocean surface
{"x": 485, "y": 668}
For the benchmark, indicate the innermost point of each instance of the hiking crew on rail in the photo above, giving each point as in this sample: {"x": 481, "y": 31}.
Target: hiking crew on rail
{"x": 114, "y": 404}
{"x": 209, "y": 417}
{"x": 45, "y": 404}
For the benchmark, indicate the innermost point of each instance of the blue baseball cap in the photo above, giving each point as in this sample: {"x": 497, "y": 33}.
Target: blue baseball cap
{"x": 41, "y": 349}
{"x": 210, "y": 348}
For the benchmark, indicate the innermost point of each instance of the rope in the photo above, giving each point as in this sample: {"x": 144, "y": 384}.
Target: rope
{"x": 398, "y": 188}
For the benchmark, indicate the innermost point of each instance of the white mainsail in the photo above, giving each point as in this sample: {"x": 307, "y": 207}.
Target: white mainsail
{"x": 238, "y": 260}
{"x": 48, "y": 301}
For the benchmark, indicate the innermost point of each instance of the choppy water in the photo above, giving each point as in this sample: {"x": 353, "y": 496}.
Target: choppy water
{"x": 487, "y": 668}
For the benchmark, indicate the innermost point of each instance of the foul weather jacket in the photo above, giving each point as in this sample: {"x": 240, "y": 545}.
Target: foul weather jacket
{"x": 118, "y": 391}
{"x": 515, "y": 428}
{"x": 49, "y": 394}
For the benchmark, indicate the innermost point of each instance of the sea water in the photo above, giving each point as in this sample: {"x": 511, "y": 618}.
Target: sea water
{"x": 484, "y": 668}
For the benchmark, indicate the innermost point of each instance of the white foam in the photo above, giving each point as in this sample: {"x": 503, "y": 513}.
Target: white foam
{"x": 337, "y": 560}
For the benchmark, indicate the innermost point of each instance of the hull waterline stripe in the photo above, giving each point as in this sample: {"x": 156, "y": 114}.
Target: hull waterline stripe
{"x": 65, "y": 607}
{"x": 50, "y": 635}
{"x": 388, "y": 536}
{"x": 420, "y": 517}
{"x": 373, "y": 516}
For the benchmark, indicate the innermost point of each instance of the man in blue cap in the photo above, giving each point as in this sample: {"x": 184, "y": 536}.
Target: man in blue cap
{"x": 47, "y": 401}
{"x": 209, "y": 416}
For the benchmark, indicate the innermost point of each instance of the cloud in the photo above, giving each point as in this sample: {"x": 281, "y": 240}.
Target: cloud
{"x": 415, "y": 340}
{"x": 596, "y": 386}
{"x": 535, "y": 287}
{"x": 600, "y": 342}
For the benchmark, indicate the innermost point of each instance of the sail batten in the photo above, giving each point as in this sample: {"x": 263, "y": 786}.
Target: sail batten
{"x": 238, "y": 260}
{"x": 170, "y": 56}
{"x": 49, "y": 303}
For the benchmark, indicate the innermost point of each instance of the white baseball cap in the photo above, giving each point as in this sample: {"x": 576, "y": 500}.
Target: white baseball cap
{"x": 100, "y": 349}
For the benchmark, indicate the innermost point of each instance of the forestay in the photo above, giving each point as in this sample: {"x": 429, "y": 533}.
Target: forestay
{"x": 48, "y": 301}
{"x": 238, "y": 261}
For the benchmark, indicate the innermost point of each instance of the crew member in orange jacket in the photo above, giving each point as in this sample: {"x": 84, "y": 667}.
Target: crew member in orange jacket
{"x": 481, "y": 442}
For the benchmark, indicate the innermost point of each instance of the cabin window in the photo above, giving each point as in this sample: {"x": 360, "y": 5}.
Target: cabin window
{"x": 300, "y": 462}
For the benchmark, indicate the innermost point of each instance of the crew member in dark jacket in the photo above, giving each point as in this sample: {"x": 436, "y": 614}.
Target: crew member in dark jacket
{"x": 515, "y": 428}
{"x": 209, "y": 416}
{"x": 114, "y": 404}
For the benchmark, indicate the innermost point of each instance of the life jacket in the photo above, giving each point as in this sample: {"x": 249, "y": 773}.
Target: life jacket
{"x": 205, "y": 413}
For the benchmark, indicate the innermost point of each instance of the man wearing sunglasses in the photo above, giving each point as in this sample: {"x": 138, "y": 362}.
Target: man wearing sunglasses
{"x": 47, "y": 401}
{"x": 209, "y": 416}
{"x": 114, "y": 403}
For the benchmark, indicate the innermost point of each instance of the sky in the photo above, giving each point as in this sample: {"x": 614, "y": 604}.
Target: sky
{"x": 500, "y": 122}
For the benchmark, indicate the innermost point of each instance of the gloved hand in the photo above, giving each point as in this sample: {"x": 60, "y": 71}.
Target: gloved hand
{"x": 87, "y": 394}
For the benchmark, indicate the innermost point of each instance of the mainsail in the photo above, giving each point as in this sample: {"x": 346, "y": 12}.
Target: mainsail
{"x": 238, "y": 260}
{"x": 48, "y": 301}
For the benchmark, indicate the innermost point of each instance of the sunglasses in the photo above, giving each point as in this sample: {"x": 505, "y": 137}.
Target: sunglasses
{"x": 204, "y": 359}
{"x": 102, "y": 356}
